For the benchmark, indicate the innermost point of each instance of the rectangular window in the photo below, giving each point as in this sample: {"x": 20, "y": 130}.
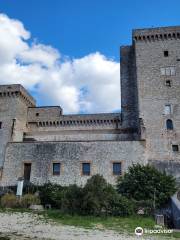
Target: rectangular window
{"x": 168, "y": 71}
{"x": 166, "y": 53}
{"x": 86, "y": 169}
{"x": 0, "y": 125}
{"x": 167, "y": 109}
{"x": 163, "y": 71}
{"x": 56, "y": 168}
{"x": 117, "y": 168}
{"x": 175, "y": 148}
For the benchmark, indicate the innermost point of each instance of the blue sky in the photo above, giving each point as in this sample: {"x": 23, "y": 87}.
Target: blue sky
{"x": 66, "y": 52}
{"x": 79, "y": 27}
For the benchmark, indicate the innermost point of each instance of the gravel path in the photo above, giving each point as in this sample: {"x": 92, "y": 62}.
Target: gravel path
{"x": 21, "y": 226}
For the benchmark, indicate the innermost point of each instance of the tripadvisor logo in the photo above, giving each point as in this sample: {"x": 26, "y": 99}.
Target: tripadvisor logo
{"x": 139, "y": 231}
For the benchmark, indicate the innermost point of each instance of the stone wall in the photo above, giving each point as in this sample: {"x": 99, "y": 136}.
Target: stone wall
{"x": 100, "y": 154}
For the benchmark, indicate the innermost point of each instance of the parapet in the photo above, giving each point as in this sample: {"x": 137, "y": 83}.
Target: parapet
{"x": 17, "y": 90}
{"x": 43, "y": 113}
{"x": 156, "y": 34}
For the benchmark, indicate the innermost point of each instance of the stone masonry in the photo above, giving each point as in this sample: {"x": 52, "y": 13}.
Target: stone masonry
{"x": 146, "y": 131}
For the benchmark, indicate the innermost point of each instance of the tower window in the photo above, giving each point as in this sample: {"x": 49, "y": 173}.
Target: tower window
{"x": 56, "y": 169}
{"x": 0, "y": 125}
{"x": 168, "y": 83}
{"x": 168, "y": 71}
{"x": 86, "y": 169}
{"x": 169, "y": 124}
{"x": 175, "y": 148}
{"x": 37, "y": 114}
{"x": 117, "y": 168}
{"x": 166, "y": 53}
{"x": 167, "y": 109}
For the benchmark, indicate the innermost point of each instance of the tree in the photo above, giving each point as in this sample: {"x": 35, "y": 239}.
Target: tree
{"x": 147, "y": 183}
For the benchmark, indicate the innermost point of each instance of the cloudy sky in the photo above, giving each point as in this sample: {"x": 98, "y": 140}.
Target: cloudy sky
{"x": 86, "y": 84}
{"x": 67, "y": 52}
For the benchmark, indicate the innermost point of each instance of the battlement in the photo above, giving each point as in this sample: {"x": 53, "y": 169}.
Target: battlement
{"x": 156, "y": 34}
{"x": 17, "y": 90}
{"x": 82, "y": 120}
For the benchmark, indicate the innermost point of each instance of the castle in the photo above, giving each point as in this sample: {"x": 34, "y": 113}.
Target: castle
{"x": 41, "y": 144}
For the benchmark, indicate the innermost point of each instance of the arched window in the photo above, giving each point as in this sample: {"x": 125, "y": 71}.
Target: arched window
{"x": 169, "y": 124}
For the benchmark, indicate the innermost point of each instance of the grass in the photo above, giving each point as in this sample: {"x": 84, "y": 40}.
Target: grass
{"x": 119, "y": 224}
{"x": 125, "y": 225}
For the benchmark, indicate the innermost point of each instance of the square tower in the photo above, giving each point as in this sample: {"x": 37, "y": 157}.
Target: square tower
{"x": 157, "y": 76}
{"x": 14, "y": 103}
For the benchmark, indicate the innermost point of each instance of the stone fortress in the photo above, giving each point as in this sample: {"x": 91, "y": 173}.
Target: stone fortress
{"x": 41, "y": 144}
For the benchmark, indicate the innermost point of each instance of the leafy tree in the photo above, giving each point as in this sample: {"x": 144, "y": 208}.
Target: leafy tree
{"x": 147, "y": 183}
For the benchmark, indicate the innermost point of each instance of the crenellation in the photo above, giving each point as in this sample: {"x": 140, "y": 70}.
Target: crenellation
{"x": 156, "y": 34}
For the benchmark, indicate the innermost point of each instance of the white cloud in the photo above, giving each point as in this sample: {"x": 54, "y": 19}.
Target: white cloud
{"x": 87, "y": 84}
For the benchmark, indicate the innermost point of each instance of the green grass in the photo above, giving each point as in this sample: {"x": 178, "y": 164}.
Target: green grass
{"x": 120, "y": 224}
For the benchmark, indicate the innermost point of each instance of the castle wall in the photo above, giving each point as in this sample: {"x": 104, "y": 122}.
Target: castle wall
{"x": 80, "y": 127}
{"x": 101, "y": 155}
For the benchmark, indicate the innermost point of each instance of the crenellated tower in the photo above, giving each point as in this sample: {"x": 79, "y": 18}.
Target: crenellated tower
{"x": 150, "y": 81}
{"x": 14, "y": 103}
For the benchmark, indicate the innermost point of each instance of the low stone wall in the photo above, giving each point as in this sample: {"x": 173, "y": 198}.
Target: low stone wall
{"x": 101, "y": 155}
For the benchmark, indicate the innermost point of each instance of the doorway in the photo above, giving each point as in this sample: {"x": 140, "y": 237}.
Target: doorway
{"x": 27, "y": 171}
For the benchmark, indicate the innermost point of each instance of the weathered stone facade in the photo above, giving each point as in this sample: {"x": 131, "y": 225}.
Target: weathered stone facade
{"x": 150, "y": 95}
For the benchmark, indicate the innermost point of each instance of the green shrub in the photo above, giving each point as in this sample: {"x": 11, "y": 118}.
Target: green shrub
{"x": 72, "y": 200}
{"x": 121, "y": 206}
{"x": 100, "y": 198}
{"x": 51, "y": 194}
{"x": 29, "y": 199}
{"x": 9, "y": 201}
{"x": 147, "y": 183}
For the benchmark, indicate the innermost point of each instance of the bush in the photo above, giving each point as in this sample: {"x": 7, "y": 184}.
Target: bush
{"x": 29, "y": 199}
{"x": 147, "y": 183}
{"x": 9, "y": 201}
{"x": 71, "y": 201}
{"x": 51, "y": 194}
{"x": 121, "y": 206}
{"x": 100, "y": 198}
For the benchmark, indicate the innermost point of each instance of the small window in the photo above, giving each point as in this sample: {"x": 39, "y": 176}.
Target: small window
{"x": 56, "y": 168}
{"x": 169, "y": 124}
{"x": 0, "y": 125}
{"x": 37, "y": 114}
{"x": 86, "y": 169}
{"x": 166, "y": 53}
{"x": 167, "y": 109}
{"x": 175, "y": 148}
{"x": 168, "y": 83}
{"x": 117, "y": 168}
